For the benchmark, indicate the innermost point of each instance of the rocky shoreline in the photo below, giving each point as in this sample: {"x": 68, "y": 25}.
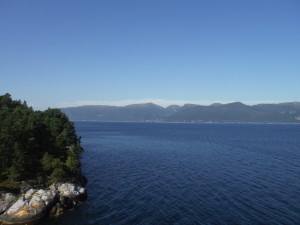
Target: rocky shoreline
{"x": 36, "y": 204}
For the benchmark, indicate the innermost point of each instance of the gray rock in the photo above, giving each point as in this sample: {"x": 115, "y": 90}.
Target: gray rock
{"x": 29, "y": 194}
{"x": 32, "y": 206}
{"x": 75, "y": 192}
{"x": 16, "y": 206}
{"x": 35, "y": 204}
{"x": 6, "y": 200}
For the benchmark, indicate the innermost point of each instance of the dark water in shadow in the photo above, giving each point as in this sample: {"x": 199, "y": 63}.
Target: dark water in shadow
{"x": 154, "y": 173}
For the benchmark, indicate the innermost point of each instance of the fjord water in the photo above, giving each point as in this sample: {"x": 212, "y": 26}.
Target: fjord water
{"x": 178, "y": 173}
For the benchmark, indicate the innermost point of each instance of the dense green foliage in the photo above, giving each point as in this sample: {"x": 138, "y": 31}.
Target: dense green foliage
{"x": 37, "y": 147}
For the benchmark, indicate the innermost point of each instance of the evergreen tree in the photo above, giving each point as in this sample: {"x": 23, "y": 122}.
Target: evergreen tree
{"x": 36, "y": 146}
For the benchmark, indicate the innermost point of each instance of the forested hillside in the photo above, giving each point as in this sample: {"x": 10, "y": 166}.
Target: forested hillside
{"x": 37, "y": 147}
{"x": 225, "y": 113}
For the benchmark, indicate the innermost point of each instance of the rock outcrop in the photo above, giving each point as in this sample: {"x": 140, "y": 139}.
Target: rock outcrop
{"x": 70, "y": 195}
{"x": 6, "y": 200}
{"x": 36, "y": 204}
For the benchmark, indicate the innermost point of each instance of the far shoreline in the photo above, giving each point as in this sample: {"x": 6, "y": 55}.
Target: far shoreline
{"x": 186, "y": 122}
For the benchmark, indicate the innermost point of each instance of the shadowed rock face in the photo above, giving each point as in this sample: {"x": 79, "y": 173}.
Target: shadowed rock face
{"x": 36, "y": 204}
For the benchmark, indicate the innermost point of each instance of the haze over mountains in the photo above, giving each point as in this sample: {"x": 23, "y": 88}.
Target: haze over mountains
{"x": 232, "y": 112}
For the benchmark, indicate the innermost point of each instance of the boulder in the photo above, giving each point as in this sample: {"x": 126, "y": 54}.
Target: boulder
{"x": 6, "y": 200}
{"x": 74, "y": 192}
{"x": 33, "y": 205}
{"x": 30, "y": 207}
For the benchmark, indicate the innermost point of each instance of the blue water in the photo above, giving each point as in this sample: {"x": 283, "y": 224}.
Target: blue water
{"x": 168, "y": 173}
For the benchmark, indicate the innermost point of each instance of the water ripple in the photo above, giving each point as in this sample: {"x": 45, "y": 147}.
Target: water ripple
{"x": 144, "y": 173}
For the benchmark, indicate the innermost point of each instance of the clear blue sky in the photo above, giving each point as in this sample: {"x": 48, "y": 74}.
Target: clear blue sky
{"x": 56, "y": 53}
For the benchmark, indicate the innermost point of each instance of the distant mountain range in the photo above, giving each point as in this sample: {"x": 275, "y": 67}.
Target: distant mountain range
{"x": 232, "y": 112}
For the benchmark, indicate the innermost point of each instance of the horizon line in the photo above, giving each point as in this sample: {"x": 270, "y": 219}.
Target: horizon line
{"x": 163, "y": 103}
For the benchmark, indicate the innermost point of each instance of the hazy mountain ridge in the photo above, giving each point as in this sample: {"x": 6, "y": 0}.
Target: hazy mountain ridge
{"x": 288, "y": 112}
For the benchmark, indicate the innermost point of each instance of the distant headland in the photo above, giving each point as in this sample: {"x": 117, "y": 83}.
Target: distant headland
{"x": 288, "y": 112}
